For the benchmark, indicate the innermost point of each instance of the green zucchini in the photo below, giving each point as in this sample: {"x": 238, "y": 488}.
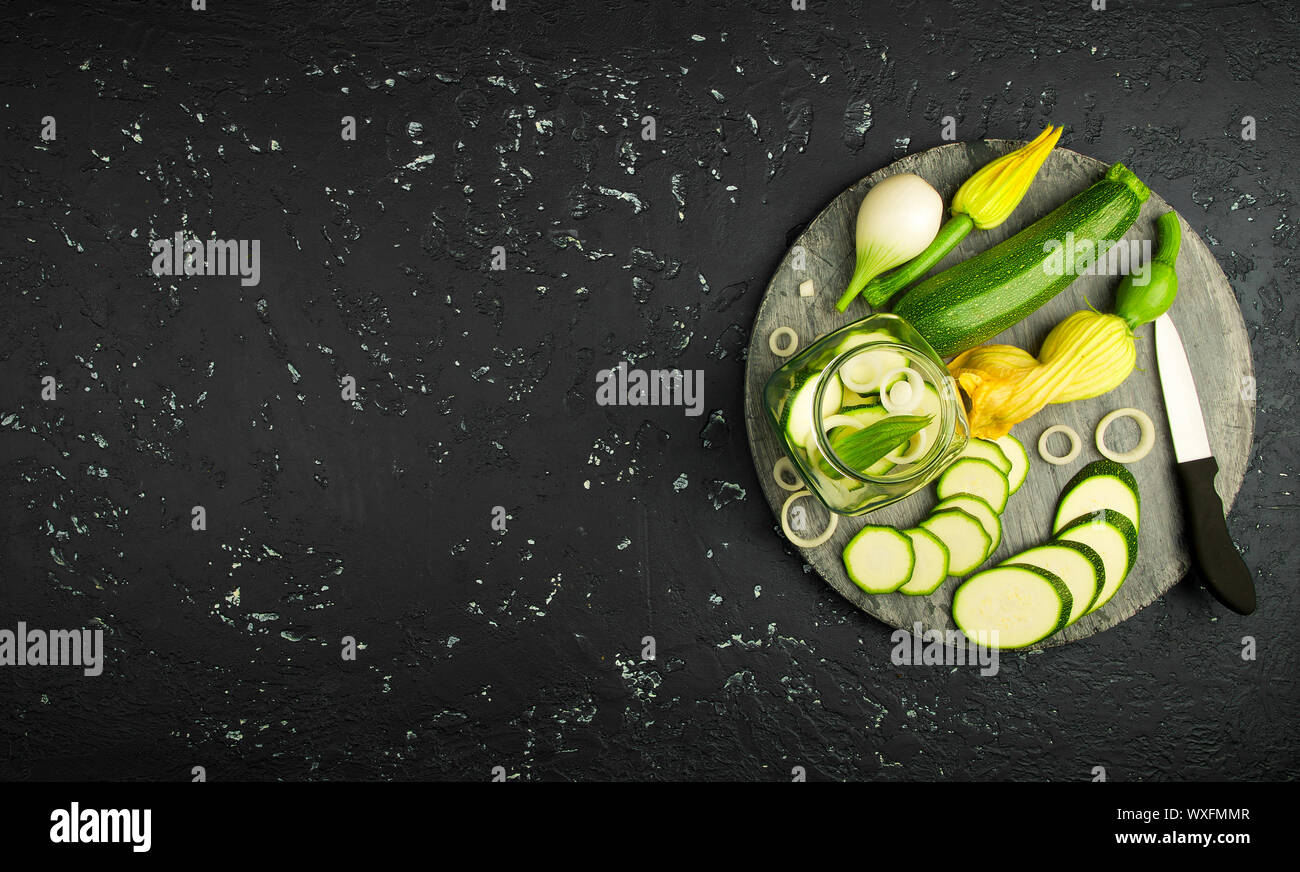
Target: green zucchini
{"x": 1019, "y": 457}
{"x": 1012, "y": 605}
{"x": 973, "y": 475}
{"x": 980, "y": 297}
{"x": 1112, "y": 536}
{"x": 1102, "y": 484}
{"x": 963, "y": 535}
{"x": 984, "y": 449}
{"x": 879, "y": 559}
{"x": 981, "y": 511}
{"x": 931, "y": 565}
{"x": 1078, "y": 565}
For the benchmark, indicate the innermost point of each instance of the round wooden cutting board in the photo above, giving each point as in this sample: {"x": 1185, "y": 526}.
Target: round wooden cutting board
{"x": 1207, "y": 317}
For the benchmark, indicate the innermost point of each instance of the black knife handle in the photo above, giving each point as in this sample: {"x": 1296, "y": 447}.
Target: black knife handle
{"x": 1220, "y": 563}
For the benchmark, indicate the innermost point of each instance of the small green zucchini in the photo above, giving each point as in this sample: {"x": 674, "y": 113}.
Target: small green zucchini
{"x": 980, "y": 297}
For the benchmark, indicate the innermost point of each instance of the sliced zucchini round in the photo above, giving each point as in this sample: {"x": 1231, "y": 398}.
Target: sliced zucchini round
{"x": 1112, "y": 536}
{"x": 990, "y": 451}
{"x": 1076, "y": 564}
{"x": 931, "y": 405}
{"x": 931, "y": 566}
{"x": 971, "y": 475}
{"x": 1102, "y": 484}
{"x": 983, "y": 513}
{"x": 964, "y": 537}
{"x": 1011, "y": 606}
{"x": 879, "y": 559}
{"x": 1019, "y": 457}
{"x": 798, "y": 414}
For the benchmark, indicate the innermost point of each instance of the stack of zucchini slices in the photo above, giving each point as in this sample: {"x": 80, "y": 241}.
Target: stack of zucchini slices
{"x": 962, "y": 532}
{"x": 1031, "y": 595}
{"x": 1039, "y": 592}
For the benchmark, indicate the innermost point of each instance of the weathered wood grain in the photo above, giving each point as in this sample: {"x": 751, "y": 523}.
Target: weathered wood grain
{"x": 1206, "y": 314}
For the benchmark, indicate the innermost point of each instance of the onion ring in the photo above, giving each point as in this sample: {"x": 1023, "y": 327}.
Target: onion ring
{"x": 797, "y": 540}
{"x": 910, "y": 454}
{"x": 1146, "y": 440}
{"x": 783, "y": 350}
{"x": 914, "y": 381}
{"x": 778, "y": 472}
{"x": 1069, "y": 434}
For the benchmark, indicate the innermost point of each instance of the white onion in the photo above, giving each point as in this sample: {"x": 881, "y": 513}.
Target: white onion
{"x": 897, "y": 402}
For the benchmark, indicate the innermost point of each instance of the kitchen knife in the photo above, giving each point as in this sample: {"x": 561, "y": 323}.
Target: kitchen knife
{"x": 1219, "y": 561}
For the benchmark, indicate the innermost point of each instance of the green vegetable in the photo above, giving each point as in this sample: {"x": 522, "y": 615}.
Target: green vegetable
{"x": 930, "y": 566}
{"x": 878, "y": 291}
{"x": 984, "y": 201}
{"x": 964, "y": 537}
{"x": 977, "y": 477}
{"x": 1114, "y": 538}
{"x": 1139, "y": 303}
{"x": 966, "y": 304}
{"x": 879, "y": 559}
{"x": 1102, "y": 484}
{"x": 859, "y": 449}
{"x": 1019, "y": 457}
{"x": 980, "y": 510}
{"x": 1012, "y": 605}
{"x": 1076, "y": 564}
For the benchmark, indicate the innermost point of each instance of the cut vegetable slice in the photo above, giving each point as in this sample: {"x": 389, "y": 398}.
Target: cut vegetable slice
{"x": 983, "y": 513}
{"x": 783, "y": 341}
{"x": 931, "y": 405}
{"x": 787, "y": 477}
{"x": 1076, "y": 564}
{"x": 915, "y": 449}
{"x": 1102, "y": 484}
{"x": 1058, "y": 459}
{"x": 1019, "y": 457}
{"x": 931, "y": 566}
{"x": 970, "y": 475}
{"x": 1146, "y": 440}
{"x": 1114, "y": 538}
{"x": 863, "y": 373}
{"x": 990, "y": 451}
{"x": 879, "y": 559}
{"x": 964, "y": 537}
{"x": 1011, "y": 606}
{"x": 901, "y": 390}
{"x": 798, "y": 413}
{"x": 794, "y": 537}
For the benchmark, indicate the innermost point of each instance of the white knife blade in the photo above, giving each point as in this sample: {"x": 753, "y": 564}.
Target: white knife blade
{"x": 1186, "y": 421}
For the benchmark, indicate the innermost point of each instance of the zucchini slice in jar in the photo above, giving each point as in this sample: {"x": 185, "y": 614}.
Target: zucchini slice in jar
{"x": 797, "y": 416}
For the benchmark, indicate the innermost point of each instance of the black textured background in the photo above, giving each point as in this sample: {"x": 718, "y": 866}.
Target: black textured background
{"x": 522, "y": 649}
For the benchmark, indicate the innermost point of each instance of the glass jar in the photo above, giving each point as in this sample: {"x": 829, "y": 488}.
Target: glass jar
{"x": 850, "y": 379}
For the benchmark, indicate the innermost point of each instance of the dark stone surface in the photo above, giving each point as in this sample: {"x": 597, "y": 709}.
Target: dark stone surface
{"x": 476, "y": 389}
